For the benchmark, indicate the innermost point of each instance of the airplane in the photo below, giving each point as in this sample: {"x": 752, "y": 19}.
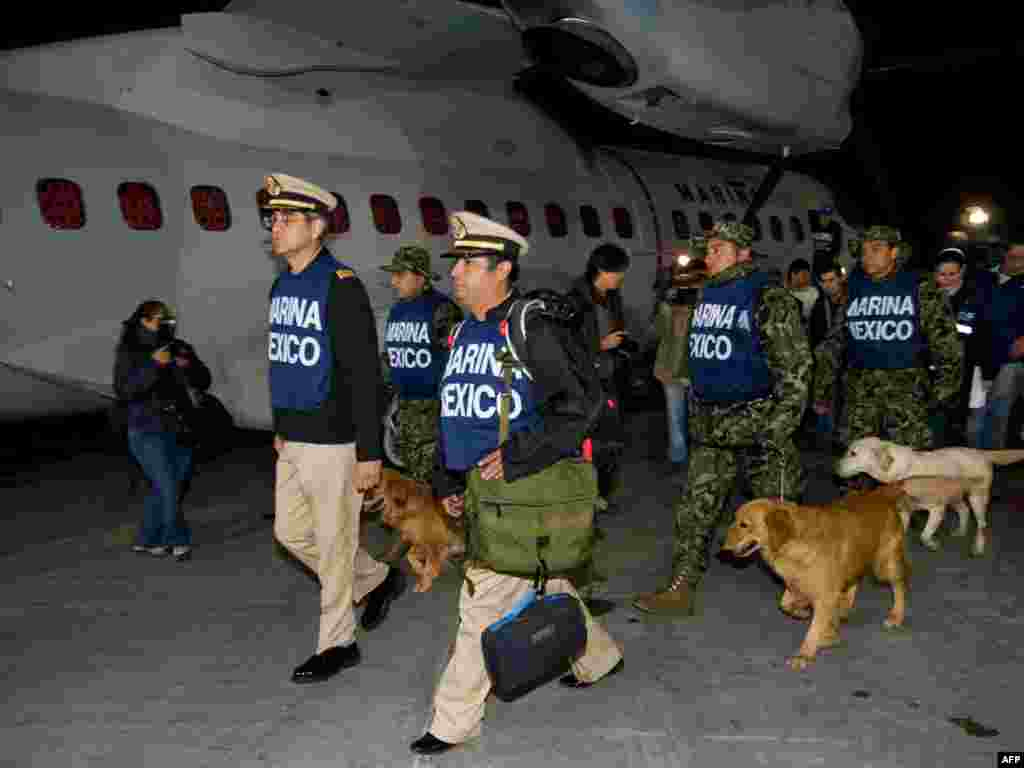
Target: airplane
{"x": 132, "y": 161}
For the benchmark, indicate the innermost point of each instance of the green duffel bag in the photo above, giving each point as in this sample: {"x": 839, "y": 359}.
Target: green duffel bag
{"x": 543, "y": 522}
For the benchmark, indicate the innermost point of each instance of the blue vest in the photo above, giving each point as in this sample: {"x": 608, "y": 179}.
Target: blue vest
{"x": 726, "y": 362}
{"x": 415, "y": 365}
{"x": 470, "y": 387}
{"x": 300, "y": 344}
{"x": 883, "y": 322}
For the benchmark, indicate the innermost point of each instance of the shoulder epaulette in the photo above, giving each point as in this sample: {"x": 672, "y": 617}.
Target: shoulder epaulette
{"x": 345, "y": 274}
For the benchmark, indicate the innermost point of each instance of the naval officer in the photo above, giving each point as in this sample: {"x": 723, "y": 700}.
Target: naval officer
{"x": 325, "y": 391}
{"x": 546, "y": 422}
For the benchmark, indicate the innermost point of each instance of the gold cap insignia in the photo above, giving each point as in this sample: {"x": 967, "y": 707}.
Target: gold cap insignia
{"x": 458, "y": 228}
{"x": 272, "y": 185}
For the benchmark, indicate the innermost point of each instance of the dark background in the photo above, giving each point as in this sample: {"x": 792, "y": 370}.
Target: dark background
{"x": 934, "y": 112}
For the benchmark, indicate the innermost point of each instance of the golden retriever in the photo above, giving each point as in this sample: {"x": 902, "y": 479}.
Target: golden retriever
{"x": 889, "y": 462}
{"x": 822, "y": 553}
{"x": 432, "y": 535}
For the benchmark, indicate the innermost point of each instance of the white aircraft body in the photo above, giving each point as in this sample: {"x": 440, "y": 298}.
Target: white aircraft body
{"x": 413, "y": 113}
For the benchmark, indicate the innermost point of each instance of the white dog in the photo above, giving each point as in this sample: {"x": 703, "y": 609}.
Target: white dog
{"x": 889, "y": 463}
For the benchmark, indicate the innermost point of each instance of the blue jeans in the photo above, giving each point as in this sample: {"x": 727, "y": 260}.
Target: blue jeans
{"x": 676, "y": 412}
{"x": 994, "y": 419}
{"x": 166, "y": 465}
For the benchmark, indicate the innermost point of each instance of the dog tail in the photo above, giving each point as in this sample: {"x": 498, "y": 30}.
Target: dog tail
{"x": 1002, "y": 458}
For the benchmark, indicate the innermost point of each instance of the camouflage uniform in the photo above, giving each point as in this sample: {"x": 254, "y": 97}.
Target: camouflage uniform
{"x": 894, "y": 404}
{"x": 756, "y": 435}
{"x": 418, "y": 419}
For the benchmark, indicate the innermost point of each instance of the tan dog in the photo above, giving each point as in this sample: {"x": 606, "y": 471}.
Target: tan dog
{"x": 889, "y": 462}
{"x": 432, "y": 535}
{"x": 936, "y": 494}
{"x": 822, "y": 553}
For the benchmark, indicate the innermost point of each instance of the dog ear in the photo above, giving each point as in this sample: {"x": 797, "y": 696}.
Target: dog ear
{"x": 885, "y": 459}
{"x": 779, "y": 526}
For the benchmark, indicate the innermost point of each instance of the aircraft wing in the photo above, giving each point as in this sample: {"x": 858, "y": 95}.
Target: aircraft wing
{"x": 429, "y": 39}
{"x": 765, "y": 76}
{"x": 29, "y": 392}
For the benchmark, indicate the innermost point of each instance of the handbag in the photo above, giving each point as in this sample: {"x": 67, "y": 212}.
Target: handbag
{"x": 534, "y": 643}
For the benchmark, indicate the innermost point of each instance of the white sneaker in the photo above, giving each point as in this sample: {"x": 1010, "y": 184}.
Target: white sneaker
{"x": 182, "y": 552}
{"x": 154, "y": 551}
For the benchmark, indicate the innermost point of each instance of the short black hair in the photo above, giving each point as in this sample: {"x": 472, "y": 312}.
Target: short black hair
{"x": 952, "y": 254}
{"x": 799, "y": 265}
{"x": 607, "y": 257}
{"x": 829, "y": 267}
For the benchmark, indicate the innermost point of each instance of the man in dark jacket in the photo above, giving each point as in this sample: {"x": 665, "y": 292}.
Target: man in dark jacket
{"x": 602, "y": 330}
{"x": 1004, "y": 363}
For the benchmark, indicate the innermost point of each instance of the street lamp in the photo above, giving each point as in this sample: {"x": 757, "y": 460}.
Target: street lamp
{"x": 977, "y": 216}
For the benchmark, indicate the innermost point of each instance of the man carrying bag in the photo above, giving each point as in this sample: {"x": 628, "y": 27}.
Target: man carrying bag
{"x": 528, "y": 499}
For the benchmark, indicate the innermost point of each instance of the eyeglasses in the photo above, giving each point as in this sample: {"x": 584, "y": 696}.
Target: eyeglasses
{"x": 270, "y": 218}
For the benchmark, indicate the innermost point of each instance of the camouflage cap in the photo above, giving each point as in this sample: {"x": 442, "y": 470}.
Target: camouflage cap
{"x": 883, "y": 233}
{"x": 736, "y": 232}
{"x": 412, "y": 258}
{"x": 697, "y": 245}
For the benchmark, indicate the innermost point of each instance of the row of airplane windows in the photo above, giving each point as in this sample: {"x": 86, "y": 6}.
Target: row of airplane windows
{"x": 62, "y": 207}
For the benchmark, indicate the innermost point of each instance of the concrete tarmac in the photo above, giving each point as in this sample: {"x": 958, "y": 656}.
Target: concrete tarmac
{"x": 117, "y": 659}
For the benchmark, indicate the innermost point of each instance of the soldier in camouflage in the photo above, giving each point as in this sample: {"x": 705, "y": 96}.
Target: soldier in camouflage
{"x": 416, "y": 349}
{"x": 750, "y": 368}
{"x": 896, "y": 324}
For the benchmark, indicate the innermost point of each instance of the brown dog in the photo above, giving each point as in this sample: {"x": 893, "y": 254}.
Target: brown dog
{"x": 821, "y": 553}
{"x": 419, "y": 518}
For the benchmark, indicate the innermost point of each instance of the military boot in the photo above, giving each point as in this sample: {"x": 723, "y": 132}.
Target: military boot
{"x": 674, "y": 600}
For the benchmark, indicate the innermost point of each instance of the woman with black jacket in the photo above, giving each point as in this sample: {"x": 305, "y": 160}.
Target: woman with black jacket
{"x": 152, "y": 374}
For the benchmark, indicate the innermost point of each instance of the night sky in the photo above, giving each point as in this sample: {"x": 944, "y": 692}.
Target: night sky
{"x": 934, "y": 126}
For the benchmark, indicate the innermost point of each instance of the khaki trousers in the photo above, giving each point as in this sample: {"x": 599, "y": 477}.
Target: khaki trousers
{"x": 460, "y": 697}
{"x": 316, "y": 517}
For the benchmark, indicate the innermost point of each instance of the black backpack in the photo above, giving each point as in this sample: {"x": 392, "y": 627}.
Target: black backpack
{"x": 603, "y": 433}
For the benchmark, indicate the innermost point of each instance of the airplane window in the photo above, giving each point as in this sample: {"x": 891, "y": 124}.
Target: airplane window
{"x": 776, "y": 226}
{"x": 680, "y": 224}
{"x": 338, "y": 223}
{"x": 386, "y": 217}
{"x": 435, "y": 219}
{"x": 555, "y": 217}
{"x": 210, "y": 208}
{"x": 518, "y": 217}
{"x": 797, "y": 228}
{"x": 729, "y": 216}
{"x": 479, "y": 207}
{"x": 707, "y": 221}
{"x": 758, "y": 231}
{"x": 623, "y": 222}
{"x": 60, "y": 203}
{"x": 591, "y": 221}
{"x": 719, "y": 195}
{"x": 139, "y": 205}
{"x": 704, "y": 196}
{"x": 685, "y": 193}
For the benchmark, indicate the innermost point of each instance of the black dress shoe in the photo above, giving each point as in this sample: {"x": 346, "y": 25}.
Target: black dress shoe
{"x": 379, "y": 601}
{"x": 323, "y": 666}
{"x": 429, "y": 744}
{"x": 571, "y": 681}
